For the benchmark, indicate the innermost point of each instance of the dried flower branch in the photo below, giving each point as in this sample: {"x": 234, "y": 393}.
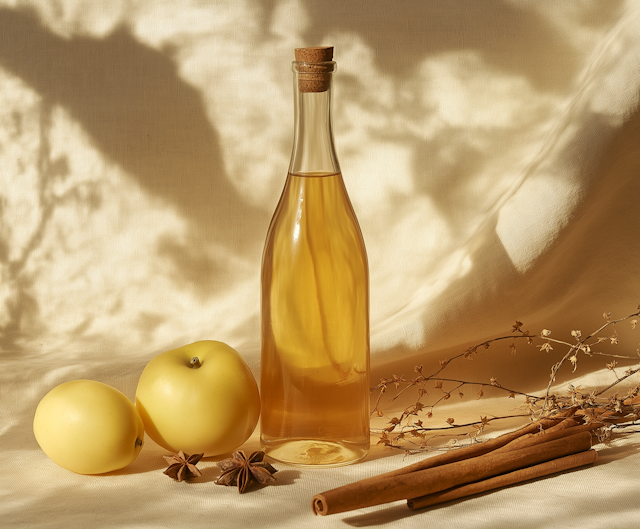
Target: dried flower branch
{"x": 407, "y": 431}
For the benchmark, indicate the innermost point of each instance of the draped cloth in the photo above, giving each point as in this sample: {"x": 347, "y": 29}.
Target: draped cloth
{"x": 491, "y": 150}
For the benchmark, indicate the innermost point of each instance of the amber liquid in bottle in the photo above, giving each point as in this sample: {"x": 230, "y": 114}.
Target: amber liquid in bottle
{"x": 315, "y": 307}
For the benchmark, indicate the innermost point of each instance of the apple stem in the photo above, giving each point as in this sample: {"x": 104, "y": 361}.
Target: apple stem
{"x": 195, "y": 362}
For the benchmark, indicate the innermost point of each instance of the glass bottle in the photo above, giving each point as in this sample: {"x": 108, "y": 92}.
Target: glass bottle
{"x": 315, "y": 295}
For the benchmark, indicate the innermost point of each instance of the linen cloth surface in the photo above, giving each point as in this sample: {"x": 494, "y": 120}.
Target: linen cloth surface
{"x": 491, "y": 150}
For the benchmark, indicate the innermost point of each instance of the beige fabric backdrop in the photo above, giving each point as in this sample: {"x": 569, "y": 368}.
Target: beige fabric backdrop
{"x": 491, "y": 150}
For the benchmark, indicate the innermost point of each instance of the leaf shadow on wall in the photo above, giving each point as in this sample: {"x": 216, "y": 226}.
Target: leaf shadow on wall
{"x": 130, "y": 99}
{"x": 22, "y": 309}
{"x": 141, "y": 114}
{"x": 404, "y": 36}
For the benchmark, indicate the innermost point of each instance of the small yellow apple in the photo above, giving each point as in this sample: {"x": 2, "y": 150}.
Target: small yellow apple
{"x": 199, "y": 398}
{"x": 88, "y": 427}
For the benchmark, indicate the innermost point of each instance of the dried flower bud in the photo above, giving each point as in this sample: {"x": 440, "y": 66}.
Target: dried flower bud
{"x": 397, "y": 379}
{"x": 546, "y": 347}
{"x": 586, "y": 349}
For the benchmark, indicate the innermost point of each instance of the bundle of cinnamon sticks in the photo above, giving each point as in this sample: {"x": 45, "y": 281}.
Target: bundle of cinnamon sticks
{"x": 541, "y": 448}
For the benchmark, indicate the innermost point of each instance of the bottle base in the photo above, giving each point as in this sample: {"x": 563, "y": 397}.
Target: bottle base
{"x": 314, "y": 452}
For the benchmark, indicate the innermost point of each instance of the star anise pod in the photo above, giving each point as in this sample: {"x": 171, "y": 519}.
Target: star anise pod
{"x": 182, "y": 466}
{"x": 239, "y": 470}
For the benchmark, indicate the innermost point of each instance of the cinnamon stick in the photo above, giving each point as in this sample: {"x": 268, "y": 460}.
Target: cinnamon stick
{"x": 569, "y": 422}
{"x": 550, "y": 434}
{"x": 504, "y": 480}
{"x": 478, "y": 449}
{"x": 385, "y": 489}
{"x": 631, "y": 401}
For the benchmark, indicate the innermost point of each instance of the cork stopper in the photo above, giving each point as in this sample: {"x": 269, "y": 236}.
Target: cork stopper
{"x": 314, "y": 68}
{"x": 317, "y": 54}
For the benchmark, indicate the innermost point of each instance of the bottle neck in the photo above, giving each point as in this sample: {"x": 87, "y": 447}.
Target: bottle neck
{"x": 313, "y": 147}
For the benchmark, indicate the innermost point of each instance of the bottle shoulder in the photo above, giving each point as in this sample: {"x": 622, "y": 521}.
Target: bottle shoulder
{"x": 316, "y": 211}
{"x": 318, "y": 199}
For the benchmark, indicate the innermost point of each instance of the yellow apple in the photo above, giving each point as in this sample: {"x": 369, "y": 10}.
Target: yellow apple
{"x": 199, "y": 398}
{"x": 88, "y": 427}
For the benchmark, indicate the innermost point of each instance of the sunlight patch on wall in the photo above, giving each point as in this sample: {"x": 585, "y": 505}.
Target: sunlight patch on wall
{"x": 618, "y": 81}
{"x": 410, "y": 258}
{"x": 531, "y": 219}
{"x": 81, "y": 17}
{"x": 289, "y": 20}
{"x": 414, "y": 316}
{"x": 18, "y": 160}
{"x": 463, "y": 94}
{"x": 378, "y": 172}
{"x": 247, "y": 89}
